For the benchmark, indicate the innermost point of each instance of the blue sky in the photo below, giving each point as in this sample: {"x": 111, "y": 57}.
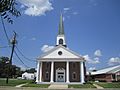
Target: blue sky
{"x": 92, "y": 29}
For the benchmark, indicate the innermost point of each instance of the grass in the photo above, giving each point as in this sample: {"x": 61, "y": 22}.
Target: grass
{"x": 87, "y": 85}
{"x": 13, "y": 82}
{"x": 109, "y": 85}
{"x": 37, "y": 85}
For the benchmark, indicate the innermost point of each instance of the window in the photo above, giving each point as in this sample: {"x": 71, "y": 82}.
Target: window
{"x": 61, "y": 41}
{"x": 47, "y": 65}
{"x": 113, "y": 76}
{"x": 47, "y": 75}
{"x": 73, "y": 64}
{"x": 74, "y": 76}
{"x": 32, "y": 76}
{"x": 60, "y": 52}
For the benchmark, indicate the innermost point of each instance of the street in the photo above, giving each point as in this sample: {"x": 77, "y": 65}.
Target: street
{"x": 31, "y": 88}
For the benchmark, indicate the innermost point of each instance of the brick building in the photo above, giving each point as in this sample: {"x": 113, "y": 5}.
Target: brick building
{"x": 107, "y": 74}
{"x": 60, "y": 65}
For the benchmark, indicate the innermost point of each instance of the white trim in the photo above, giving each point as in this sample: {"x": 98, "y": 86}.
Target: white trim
{"x": 40, "y": 71}
{"x": 82, "y": 72}
{"x": 67, "y": 72}
{"x": 61, "y": 59}
{"x": 52, "y": 71}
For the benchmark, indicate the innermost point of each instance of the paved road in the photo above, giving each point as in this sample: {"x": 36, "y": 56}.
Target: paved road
{"x": 31, "y": 88}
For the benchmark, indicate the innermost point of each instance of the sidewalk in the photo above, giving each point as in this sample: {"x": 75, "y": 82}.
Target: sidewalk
{"x": 21, "y": 85}
{"x": 97, "y": 86}
{"x": 58, "y": 86}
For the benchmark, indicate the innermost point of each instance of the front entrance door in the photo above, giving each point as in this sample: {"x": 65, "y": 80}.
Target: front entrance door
{"x": 60, "y": 75}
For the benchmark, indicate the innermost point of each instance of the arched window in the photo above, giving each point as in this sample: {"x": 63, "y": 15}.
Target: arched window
{"x": 47, "y": 75}
{"x": 74, "y": 76}
{"x": 60, "y": 41}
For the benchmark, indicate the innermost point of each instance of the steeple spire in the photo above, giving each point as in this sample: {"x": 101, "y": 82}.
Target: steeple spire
{"x": 61, "y": 26}
{"x": 61, "y": 36}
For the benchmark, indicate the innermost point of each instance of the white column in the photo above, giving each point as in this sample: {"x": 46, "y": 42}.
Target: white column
{"x": 82, "y": 72}
{"x": 52, "y": 71}
{"x": 67, "y": 72}
{"x": 40, "y": 71}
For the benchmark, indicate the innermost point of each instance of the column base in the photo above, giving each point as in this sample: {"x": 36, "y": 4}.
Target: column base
{"x": 67, "y": 81}
{"x": 51, "y": 81}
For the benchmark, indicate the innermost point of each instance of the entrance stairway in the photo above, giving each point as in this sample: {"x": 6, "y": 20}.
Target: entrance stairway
{"x": 58, "y": 86}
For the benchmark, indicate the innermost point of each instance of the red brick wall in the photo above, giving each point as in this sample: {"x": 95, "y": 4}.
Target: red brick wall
{"x": 75, "y": 69}
{"x": 46, "y": 68}
{"x": 103, "y": 77}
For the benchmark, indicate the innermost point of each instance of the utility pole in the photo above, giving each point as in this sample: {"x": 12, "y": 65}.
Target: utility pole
{"x": 13, "y": 42}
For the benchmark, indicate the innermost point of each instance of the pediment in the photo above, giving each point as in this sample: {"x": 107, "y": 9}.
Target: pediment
{"x": 60, "y": 52}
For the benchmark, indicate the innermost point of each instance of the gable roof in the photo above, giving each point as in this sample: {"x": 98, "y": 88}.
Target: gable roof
{"x": 113, "y": 69}
{"x": 57, "y": 47}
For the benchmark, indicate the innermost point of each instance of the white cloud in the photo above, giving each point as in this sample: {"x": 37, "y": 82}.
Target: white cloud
{"x": 113, "y": 61}
{"x": 75, "y": 13}
{"x": 36, "y": 7}
{"x": 91, "y": 61}
{"x": 87, "y": 58}
{"x": 66, "y": 9}
{"x": 96, "y": 60}
{"x": 46, "y": 48}
{"x": 92, "y": 68}
{"x": 97, "y": 53}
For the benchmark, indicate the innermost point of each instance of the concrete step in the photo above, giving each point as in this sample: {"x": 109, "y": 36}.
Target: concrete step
{"x": 58, "y": 86}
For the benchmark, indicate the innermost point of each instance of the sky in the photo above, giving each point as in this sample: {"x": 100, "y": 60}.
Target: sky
{"x": 92, "y": 29}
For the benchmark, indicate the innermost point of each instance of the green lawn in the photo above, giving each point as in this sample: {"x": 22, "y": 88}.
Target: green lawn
{"x": 109, "y": 85}
{"x": 13, "y": 82}
{"x": 37, "y": 85}
{"x": 87, "y": 85}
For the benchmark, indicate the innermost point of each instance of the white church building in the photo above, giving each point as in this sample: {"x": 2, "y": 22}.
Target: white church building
{"x": 60, "y": 65}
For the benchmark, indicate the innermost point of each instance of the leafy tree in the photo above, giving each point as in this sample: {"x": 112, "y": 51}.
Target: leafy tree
{"x": 6, "y": 67}
{"x": 8, "y": 7}
{"x": 31, "y": 70}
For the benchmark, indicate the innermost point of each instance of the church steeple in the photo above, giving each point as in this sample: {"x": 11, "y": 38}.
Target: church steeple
{"x": 61, "y": 26}
{"x": 61, "y": 36}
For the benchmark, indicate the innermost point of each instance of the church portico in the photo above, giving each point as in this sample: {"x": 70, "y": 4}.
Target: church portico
{"x": 62, "y": 72}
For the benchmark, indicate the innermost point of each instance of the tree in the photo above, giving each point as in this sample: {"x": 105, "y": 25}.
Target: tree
{"x": 31, "y": 70}
{"x": 5, "y": 67}
{"x": 8, "y": 7}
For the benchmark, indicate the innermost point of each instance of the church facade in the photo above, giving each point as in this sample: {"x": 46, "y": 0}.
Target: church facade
{"x": 60, "y": 65}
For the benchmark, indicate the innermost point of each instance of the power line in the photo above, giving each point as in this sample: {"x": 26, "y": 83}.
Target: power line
{"x": 21, "y": 60}
{"x": 16, "y": 47}
{"x": 4, "y": 46}
{"x": 5, "y": 30}
{"x": 24, "y": 55}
